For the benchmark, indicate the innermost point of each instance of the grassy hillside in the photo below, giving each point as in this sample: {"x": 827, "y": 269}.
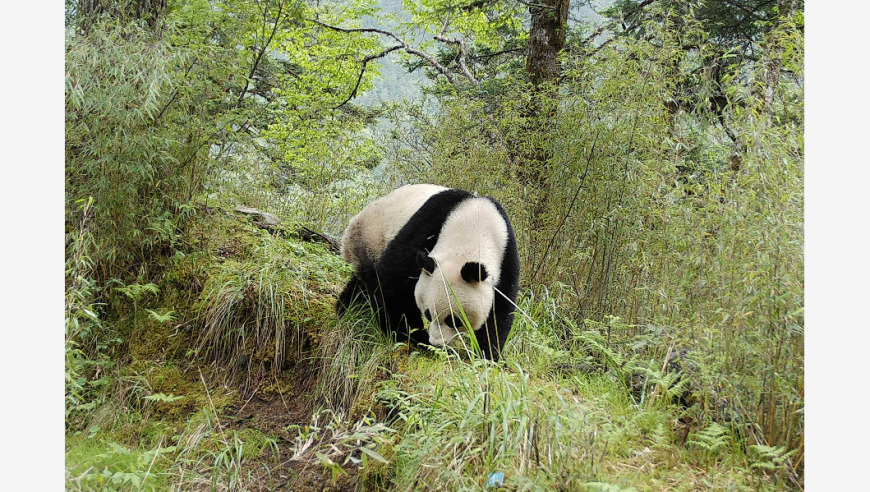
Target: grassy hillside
{"x": 236, "y": 375}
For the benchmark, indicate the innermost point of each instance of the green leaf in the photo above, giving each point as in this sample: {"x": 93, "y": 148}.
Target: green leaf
{"x": 374, "y": 454}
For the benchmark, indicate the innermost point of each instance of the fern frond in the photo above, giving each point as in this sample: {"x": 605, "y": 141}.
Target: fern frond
{"x": 711, "y": 439}
{"x": 165, "y": 317}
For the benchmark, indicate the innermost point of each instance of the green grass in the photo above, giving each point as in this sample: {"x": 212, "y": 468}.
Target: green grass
{"x": 568, "y": 408}
{"x": 458, "y": 422}
{"x": 98, "y": 464}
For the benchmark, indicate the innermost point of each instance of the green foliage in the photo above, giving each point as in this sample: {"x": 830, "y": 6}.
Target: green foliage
{"x": 352, "y": 355}
{"x": 158, "y": 121}
{"x": 769, "y": 458}
{"x": 84, "y": 348}
{"x": 684, "y": 217}
{"x": 322, "y": 140}
{"x": 660, "y": 328}
{"x": 136, "y": 292}
{"x": 456, "y": 422}
{"x": 710, "y": 440}
{"x": 120, "y": 151}
{"x": 204, "y": 456}
{"x": 114, "y": 467}
{"x": 227, "y": 464}
{"x": 164, "y": 317}
{"x": 481, "y": 39}
{"x": 225, "y": 81}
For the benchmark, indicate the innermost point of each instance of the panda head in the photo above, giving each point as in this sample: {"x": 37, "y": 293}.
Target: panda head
{"x": 449, "y": 288}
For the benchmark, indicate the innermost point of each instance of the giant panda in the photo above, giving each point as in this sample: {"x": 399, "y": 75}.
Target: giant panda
{"x": 425, "y": 250}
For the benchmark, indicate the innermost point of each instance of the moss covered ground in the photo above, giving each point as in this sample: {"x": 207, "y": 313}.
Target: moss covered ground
{"x": 235, "y": 374}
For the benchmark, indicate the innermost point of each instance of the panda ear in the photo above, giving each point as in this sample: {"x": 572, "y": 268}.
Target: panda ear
{"x": 426, "y": 262}
{"x": 474, "y": 272}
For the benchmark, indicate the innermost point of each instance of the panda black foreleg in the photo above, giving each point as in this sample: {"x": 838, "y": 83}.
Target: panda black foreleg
{"x": 402, "y": 317}
{"x": 416, "y": 332}
{"x": 354, "y": 294}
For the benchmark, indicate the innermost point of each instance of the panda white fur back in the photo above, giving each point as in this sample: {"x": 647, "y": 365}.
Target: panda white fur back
{"x": 427, "y": 249}
{"x": 369, "y": 231}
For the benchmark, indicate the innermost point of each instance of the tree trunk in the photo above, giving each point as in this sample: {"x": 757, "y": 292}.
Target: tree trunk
{"x": 546, "y": 41}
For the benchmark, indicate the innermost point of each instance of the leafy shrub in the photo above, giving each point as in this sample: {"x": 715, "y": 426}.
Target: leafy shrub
{"x": 137, "y": 165}
{"x": 681, "y": 219}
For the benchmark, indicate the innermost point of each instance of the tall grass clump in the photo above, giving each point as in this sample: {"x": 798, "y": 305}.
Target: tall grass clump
{"x": 353, "y": 355}
{"x": 256, "y": 313}
{"x": 470, "y": 421}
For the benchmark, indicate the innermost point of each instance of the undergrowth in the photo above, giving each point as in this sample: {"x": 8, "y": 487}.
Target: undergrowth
{"x": 571, "y": 406}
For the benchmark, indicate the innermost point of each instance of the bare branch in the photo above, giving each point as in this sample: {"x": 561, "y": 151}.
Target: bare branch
{"x": 174, "y": 93}
{"x": 498, "y": 53}
{"x": 463, "y": 54}
{"x": 404, "y": 45}
{"x": 612, "y": 26}
{"x": 365, "y": 61}
{"x": 262, "y": 49}
{"x": 538, "y": 5}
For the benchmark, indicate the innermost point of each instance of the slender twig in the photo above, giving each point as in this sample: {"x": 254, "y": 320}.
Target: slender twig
{"x": 207, "y": 140}
{"x": 405, "y": 46}
{"x": 611, "y": 26}
{"x": 570, "y": 207}
{"x": 262, "y": 50}
{"x": 463, "y": 52}
{"x": 365, "y": 61}
{"x": 175, "y": 93}
{"x": 497, "y": 53}
{"x": 462, "y": 56}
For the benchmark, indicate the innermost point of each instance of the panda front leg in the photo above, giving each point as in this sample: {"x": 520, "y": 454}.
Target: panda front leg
{"x": 418, "y": 333}
{"x": 407, "y": 325}
{"x": 354, "y": 294}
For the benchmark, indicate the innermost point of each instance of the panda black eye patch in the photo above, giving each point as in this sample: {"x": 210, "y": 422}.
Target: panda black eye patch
{"x": 452, "y": 321}
{"x": 428, "y": 315}
{"x": 474, "y": 272}
{"x": 425, "y": 262}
